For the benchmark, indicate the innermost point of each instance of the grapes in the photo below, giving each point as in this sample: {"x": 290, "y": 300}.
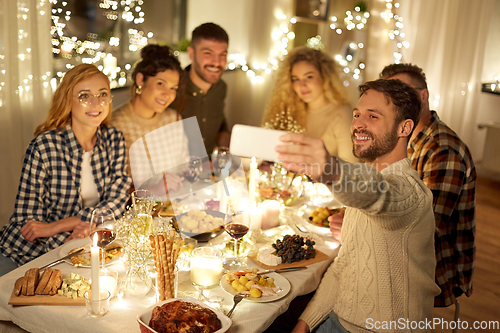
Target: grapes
{"x": 294, "y": 248}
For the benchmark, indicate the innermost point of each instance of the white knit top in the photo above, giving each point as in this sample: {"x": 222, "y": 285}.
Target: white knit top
{"x": 384, "y": 271}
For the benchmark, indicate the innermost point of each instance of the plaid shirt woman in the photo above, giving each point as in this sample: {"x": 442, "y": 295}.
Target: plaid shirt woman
{"x": 49, "y": 189}
{"x": 49, "y": 207}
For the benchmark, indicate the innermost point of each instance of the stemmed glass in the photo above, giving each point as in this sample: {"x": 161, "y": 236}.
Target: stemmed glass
{"x": 103, "y": 226}
{"x": 193, "y": 170}
{"x": 220, "y": 158}
{"x": 237, "y": 227}
{"x": 192, "y": 174}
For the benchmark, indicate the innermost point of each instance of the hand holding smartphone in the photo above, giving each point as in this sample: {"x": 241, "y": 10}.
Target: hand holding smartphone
{"x": 258, "y": 142}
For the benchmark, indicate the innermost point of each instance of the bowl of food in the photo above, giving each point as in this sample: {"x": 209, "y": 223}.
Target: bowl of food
{"x": 285, "y": 188}
{"x": 202, "y": 225}
{"x": 181, "y": 315}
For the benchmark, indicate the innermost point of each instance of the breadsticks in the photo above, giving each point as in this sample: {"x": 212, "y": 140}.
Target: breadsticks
{"x": 165, "y": 258}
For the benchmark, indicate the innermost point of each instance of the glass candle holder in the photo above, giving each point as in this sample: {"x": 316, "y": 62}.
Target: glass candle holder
{"x": 97, "y": 307}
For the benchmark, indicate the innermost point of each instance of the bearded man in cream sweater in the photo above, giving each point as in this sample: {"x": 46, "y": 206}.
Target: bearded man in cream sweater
{"x": 383, "y": 277}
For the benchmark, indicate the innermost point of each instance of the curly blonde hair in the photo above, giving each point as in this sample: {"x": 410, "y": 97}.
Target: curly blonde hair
{"x": 60, "y": 111}
{"x": 284, "y": 97}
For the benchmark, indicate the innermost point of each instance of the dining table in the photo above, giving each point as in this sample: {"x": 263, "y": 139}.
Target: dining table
{"x": 124, "y": 309}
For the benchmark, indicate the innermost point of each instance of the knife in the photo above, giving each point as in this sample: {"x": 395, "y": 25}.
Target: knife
{"x": 281, "y": 270}
{"x": 62, "y": 259}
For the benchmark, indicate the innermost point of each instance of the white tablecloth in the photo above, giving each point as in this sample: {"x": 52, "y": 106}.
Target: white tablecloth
{"x": 122, "y": 315}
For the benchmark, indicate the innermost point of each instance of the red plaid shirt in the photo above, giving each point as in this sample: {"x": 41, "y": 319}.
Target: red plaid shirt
{"x": 445, "y": 165}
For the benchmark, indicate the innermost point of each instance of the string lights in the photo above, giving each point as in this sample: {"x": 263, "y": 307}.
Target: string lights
{"x": 396, "y": 34}
{"x": 258, "y": 70}
{"x": 25, "y": 78}
{"x": 93, "y": 48}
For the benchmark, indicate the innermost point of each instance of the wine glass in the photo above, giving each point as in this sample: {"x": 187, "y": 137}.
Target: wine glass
{"x": 193, "y": 170}
{"x": 103, "y": 228}
{"x": 220, "y": 158}
{"x": 192, "y": 174}
{"x": 143, "y": 203}
{"x": 237, "y": 228}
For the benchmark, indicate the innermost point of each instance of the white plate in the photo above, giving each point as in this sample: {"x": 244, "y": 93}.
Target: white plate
{"x": 279, "y": 281}
{"x": 145, "y": 317}
{"x": 79, "y": 242}
{"x": 306, "y": 211}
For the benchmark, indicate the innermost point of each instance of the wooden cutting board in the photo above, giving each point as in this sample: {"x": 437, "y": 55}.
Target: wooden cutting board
{"x": 45, "y": 300}
{"x": 320, "y": 256}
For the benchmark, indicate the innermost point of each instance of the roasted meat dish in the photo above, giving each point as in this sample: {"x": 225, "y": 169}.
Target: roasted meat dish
{"x": 184, "y": 317}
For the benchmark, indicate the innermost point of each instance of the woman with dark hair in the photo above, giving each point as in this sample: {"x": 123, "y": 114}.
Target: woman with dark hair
{"x": 74, "y": 164}
{"x": 157, "y": 78}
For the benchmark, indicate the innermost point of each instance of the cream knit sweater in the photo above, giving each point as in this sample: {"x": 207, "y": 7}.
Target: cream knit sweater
{"x": 384, "y": 272}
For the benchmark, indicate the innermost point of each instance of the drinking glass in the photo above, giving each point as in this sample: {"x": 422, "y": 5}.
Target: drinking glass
{"x": 143, "y": 203}
{"x": 237, "y": 228}
{"x": 220, "y": 158}
{"x": 206, "y": 268}
{"x": 103, "y": 228}
{"x": 192, "y": 173}
{"x": 193, "y": 170}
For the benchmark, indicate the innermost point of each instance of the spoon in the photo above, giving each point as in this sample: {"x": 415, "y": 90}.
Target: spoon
{"x": 237, "y": 298}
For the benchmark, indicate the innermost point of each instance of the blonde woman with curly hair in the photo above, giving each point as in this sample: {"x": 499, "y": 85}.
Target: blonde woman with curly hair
{"x": 74, "y": 165}
{"x": 309, "y": 90}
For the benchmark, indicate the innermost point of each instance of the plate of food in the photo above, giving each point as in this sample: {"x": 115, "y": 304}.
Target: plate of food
{"x": 202, "y": 225}
{"x": 183, "y": 314}
{"x": 257, "y": 288}
{"x": 318, "y": 216}
{"x": 113, "y": 252}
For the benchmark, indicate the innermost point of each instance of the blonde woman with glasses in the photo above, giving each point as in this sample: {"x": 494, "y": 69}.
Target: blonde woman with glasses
{"x": 74, "y": 164}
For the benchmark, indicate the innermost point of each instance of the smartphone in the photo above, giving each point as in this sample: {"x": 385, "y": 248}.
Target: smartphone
{"x": 258, "y": 142}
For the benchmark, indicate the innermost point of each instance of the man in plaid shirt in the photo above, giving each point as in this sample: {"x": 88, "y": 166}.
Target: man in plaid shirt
{"x": 445, "y": 165}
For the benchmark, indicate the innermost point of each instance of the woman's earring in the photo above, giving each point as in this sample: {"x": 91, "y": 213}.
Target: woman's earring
{"x": 138, "y": 90}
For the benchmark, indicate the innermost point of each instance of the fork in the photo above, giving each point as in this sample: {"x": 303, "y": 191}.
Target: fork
{"x": 237, "y": 298}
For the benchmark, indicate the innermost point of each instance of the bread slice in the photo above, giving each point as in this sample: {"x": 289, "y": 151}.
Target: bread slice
{"x": 18, "y": 285}
{"x": 33, "y": 278}
{"x": 24, "y": 287}
{"x": 43, "y": 281}
{"x": 54, "y": 282}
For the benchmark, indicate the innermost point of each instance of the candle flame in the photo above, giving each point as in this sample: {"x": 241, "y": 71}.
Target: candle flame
{"x": 95, "y": 240}
{"x": 254, "y": 160}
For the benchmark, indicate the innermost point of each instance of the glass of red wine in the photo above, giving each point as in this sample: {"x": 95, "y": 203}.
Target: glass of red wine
{"x": 103, "y": 225}
{"x": 237, "y": 228}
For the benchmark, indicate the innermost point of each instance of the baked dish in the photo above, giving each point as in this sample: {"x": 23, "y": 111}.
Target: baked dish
{"x": 184, "y": 317}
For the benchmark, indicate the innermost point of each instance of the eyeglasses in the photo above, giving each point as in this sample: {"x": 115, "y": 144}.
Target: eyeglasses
{"x": 86, "y": 99}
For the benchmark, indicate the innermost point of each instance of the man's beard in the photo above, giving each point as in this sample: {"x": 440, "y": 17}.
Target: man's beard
{"x": 204, "y": 77}
{"x": 378, "y": 147}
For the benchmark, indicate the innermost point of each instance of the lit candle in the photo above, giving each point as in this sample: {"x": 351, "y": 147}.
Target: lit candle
{"x": 270, "y": 214}
{"x": 255, "y": 218}
{"x": 222, "y": 197}
{"x": 108, "y": 281}
{"x": 94, "y": 260}
{"x": 251, "y": 182}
